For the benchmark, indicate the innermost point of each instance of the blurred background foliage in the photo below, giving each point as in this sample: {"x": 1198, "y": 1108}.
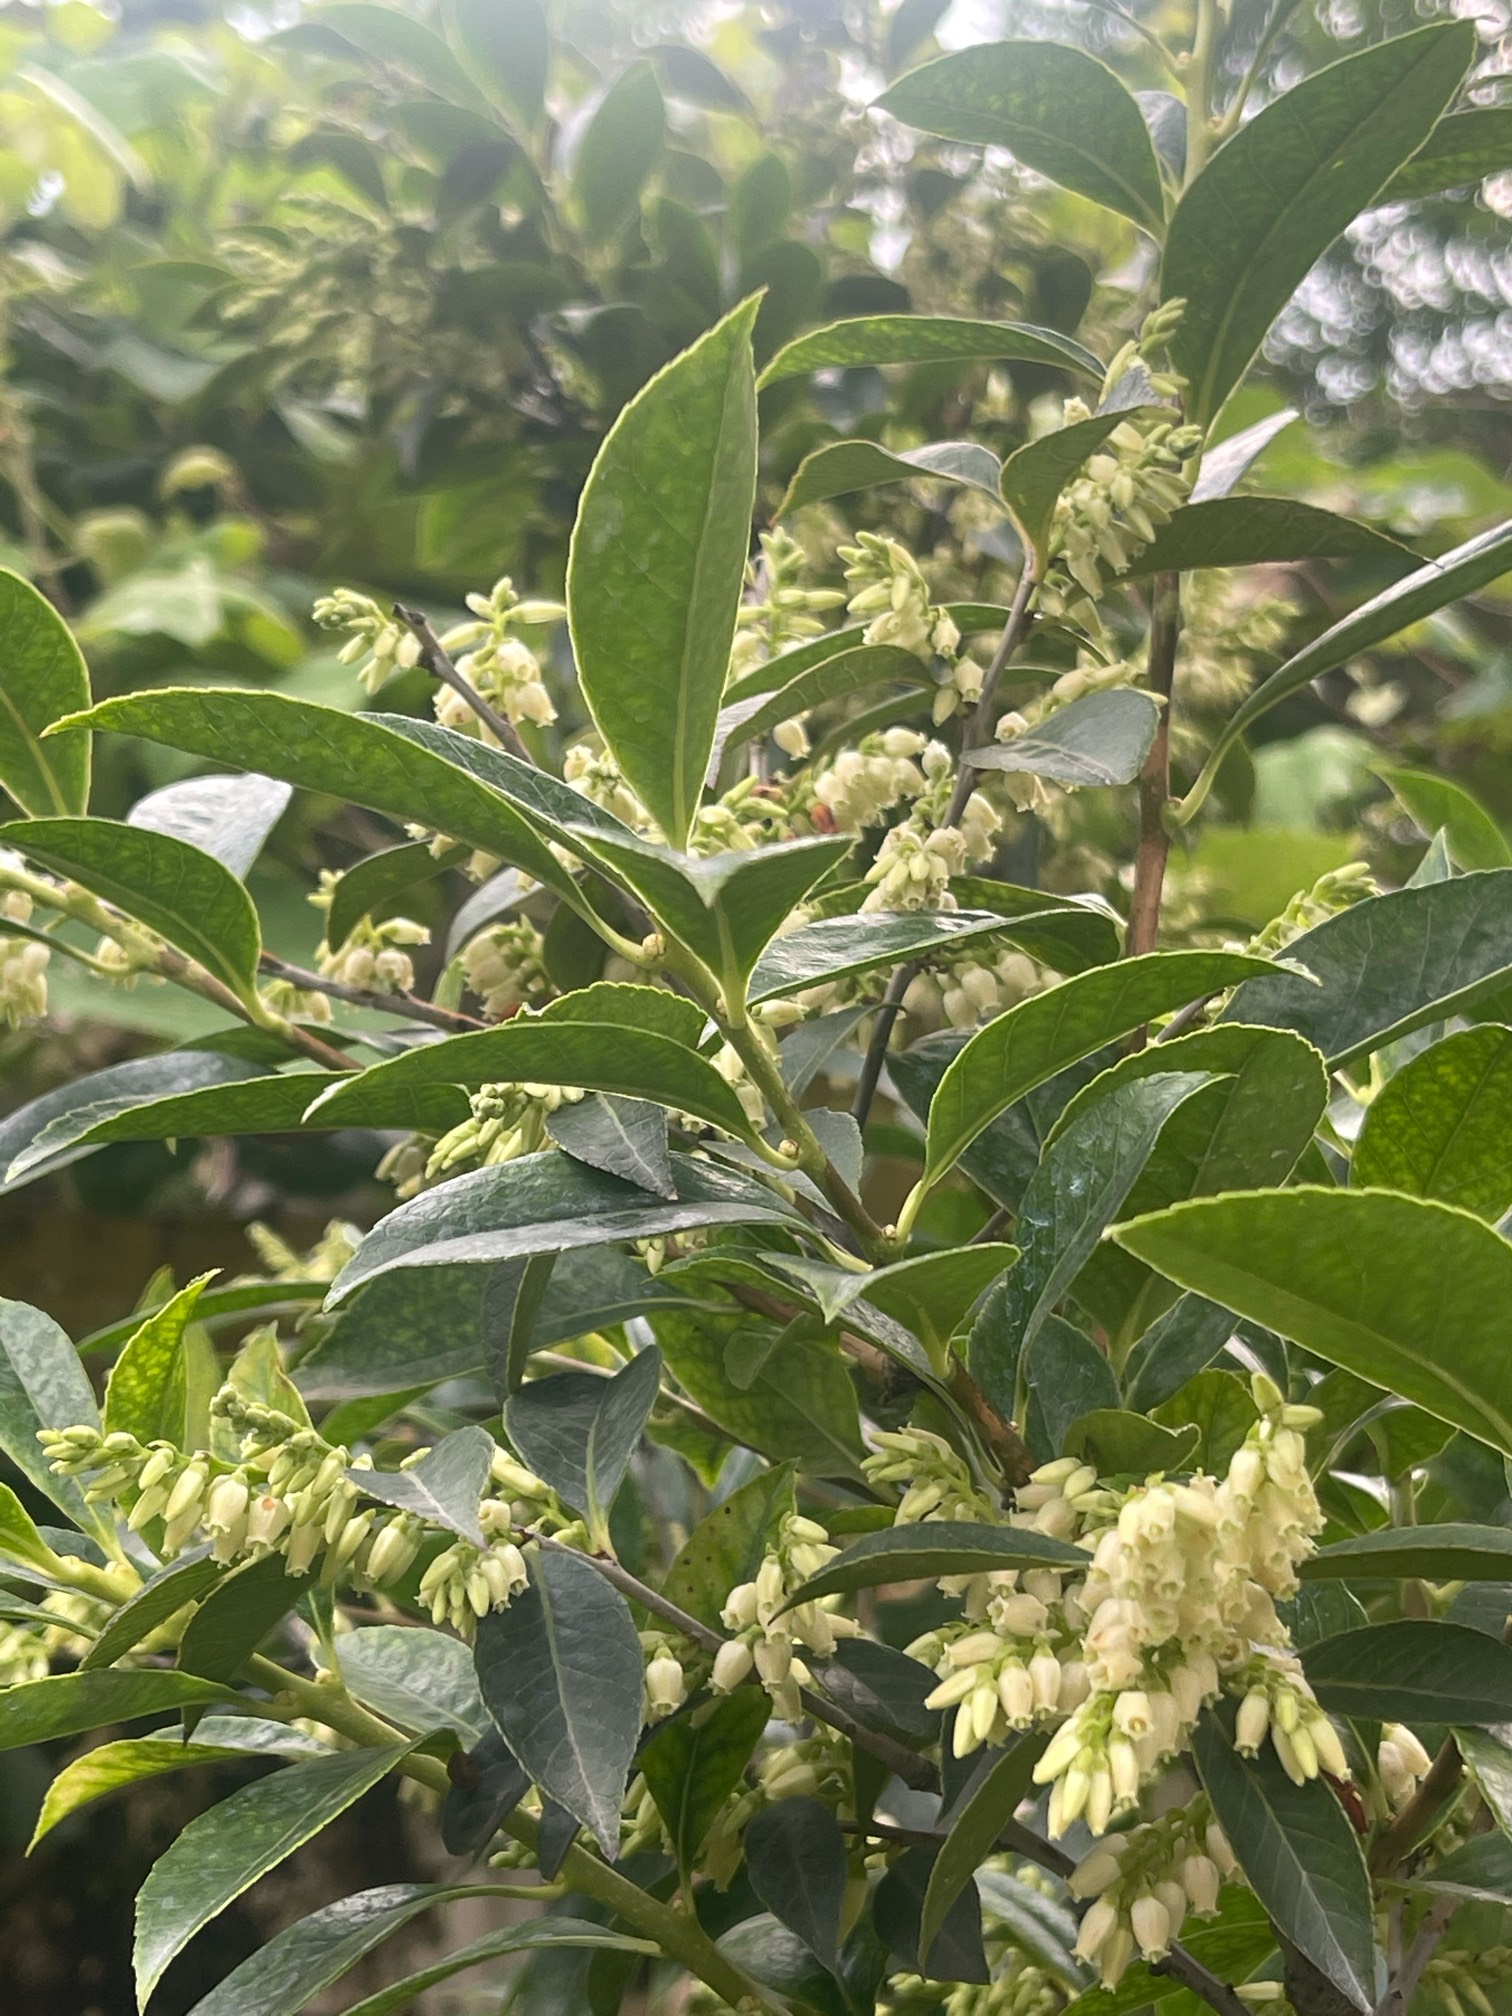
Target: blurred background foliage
{"x": 295, "y": 295}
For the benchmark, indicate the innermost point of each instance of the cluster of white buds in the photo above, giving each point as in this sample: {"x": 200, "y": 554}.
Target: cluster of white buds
{"x": 496, "y": 663}
{"x": 728, "y": 1062}
{"x": 778, "y": 611}
{"x": 967, "y": 991}
{"x": 23, "y": 977}
{"x": 812, "y": 1766}
{"x": 372, "y": 955}
{"x": 863, "y": 784}
{"x": 505, "y": 967}
{"x": 1125, "y": 493}
{"x": 1011, "y": 1676}
{"x": 23, "y": 1655}
{"x": 377, "y": 643}
{"x": 917, "y": 860}
{"x": 888, "y": 591}
{"x": 1280, "y": 1704}
{"x": 938, "y": 1480}
{"x": 506, "y": 1121}
{"x": 1338, "y": 890}
{"x": 1401, "y": 1763}
{"x": 463, "y": 1582}
{"x": 766, "y": 1632}
{"x": 593, "y": 772}
{"x": 666, "y": 1682}
{"x": 1144, "y": 1883}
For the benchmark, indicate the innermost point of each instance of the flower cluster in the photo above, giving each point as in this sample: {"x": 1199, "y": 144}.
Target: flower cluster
{"x": 766, "y": 1632}
{"x": 778, "y": 612}
{"x": 1401, "y": 1763}
{"x": 968, "y": 990}
{"x": 377, "y": 643}
{"x": 506, "y": 1121}
{"x": 1113, "y": 508}
{"x": 497, "y": 664}
{"x": 1338, "y": 890}
{"x": 1143, "y": 1884}
{"x": 861, "y": 785}
{"x": 505, "y": 967}
{"x": 919, "y": 857}
{"x": 372, "y": 955}
{"x": 889, "y": 592}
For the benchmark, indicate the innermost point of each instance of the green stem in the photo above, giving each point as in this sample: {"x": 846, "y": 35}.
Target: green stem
{"x": 1199, "y": 96}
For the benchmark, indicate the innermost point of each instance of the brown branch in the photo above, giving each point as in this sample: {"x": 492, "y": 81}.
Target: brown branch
{"x": 1405, "y": 1981}
{"x": 1418, "y": 1816}
{"x": 1155, "y": 777}
{"x": 437, "y": 661}
{"x": 408, "y": 1006}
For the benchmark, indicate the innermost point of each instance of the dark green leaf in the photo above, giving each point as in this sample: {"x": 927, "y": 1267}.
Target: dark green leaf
{"x": 1077, "y": 932}
{"x": 1389, "y": 965}
{"x": 374, "y": 883}
{"x": 1058, "y": 110}
{"x": 183, "y": 1581}
{"x": 1480, "y": 1868}
{"x": 796, "y": 1400}
{"x": 1035, "y": 475}
{"x": 1299, "y": 1852}
{"x": 67, "y": 1704}
{"x": 1489, "y": 1760}
{"x": 1120, "y": 1444}
{"x": 146, "y": 1393}
{"x": 229, "y": 817}
{"x": 970, "y": 618}
{"x": 579, "y": 1431}
{"x": 42, "y": 677}
{"x": 694, "y": 1762}
{"x": 513, "y": 1300}
{"x": 1273, "y": 199}
{"x": 43, "y": 1385}
{"x": 1437, "y": 803}
{"x": 940, "y": 1547}
{"x": 834, "y": 947}
{"x": 618, "y": 150}
{"x": 1428, "y": 1314}
{"x": 833, "y": 678}
{"x": 237, "y": 1615}
{"x": 1062, "y": 1371}
{"x": 488, "y": 1782}
{"x": 530, "y": 1937}
{"x": 1413, "y": 1670}
{"x": 1103, "y": 738}
{"x": 882, "y": 1688}
{"x": 956, "y": 1952}
{"x": 623, "y": 1137}
{"x": 444, "y": 1487}
{"x": 421, "y": 1680}
{"x": 728, "y": 1544}
{"x": 1453, "y": 1553}
{"x": 843, "y": 466}
{"x": 1044, "y": 1034}
{"x": 925, "y": 339}
{"x": 224, "y": 1851}
{"x": 1256, "y": 531}
{"x": 1458, "y": 153}
{"x": 165, "y": 883}
{"x": 20, "y": 1541}
{"x": 1439, "y": 1127}
{"x": 1174, "y": 1349}
{"x": 1219, "y": 1406}
{"x": 975, "y": 1826}
{"x": 561, "y": 1673}
{"x": 658, "y": 554}
{"x": 795, "y": 1858}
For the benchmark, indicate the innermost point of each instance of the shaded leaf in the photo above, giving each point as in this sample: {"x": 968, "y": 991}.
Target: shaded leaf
{"x": 488, "y": 1782}
{"x": 727, "y": 1545}
{"x": 422, "y": 1680}
{"x": 956, "y": 1952}
{"x": 1035, "y": 475}
{"x": 236, "y": 1616}
{"x": 833, "y": 678}
{"x": 618, "y": 150}
{"x": 42, "y": 677}
{"x": 536, "y": 1934}
{"x": 833, "y": 947}
{"x": 975, "y": 1825}
{"x": 1256, "y": 531}
{"x": 1103, "y": 738}
{"x": 66, "y": 1704}
{"x": 1444, "y": 1553}
{"x": 623, "y": 1137}
{"x": 694, "y": 1762}
{"x": 163, "y": 1596}
{"x": 513, "y": 1299}
{"x": 1459, "y": 152}
{"x": 444, "y": 1487}
{"x": 1438, "y": 804}
{"x": 43, "y": 1385}
{"x": 795, "y": 1858}
{"x": 373, "y": 883}
{"x": 579, "y": 1431}
{"x": 1413, "y": 1670}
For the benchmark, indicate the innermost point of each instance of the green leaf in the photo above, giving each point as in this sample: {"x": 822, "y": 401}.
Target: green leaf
{"x": 1255, "y": 531}
{"x": 1300, "y": 1855}
{"x": 1120, "y": 1444}
{"x": 1219, "y": 1406}
{"x": 975, "y": 1825}
{"x": 579, "y": 1431}
{"x": 926, "y": 1552}
{"x": 382, "y": 762}
{"x": 1058, "y": 110}
{"x": 1489, "y": 1760}
{"x": 1182, "y": 1343}
{"x": 236, "y": 1616}
{"x": 182, "y": 1582}
{"x": 694, "y": 1762}
{"x": 513, "y": 1300}
{"x": 1426, "y": 1316}
{"x": 931, "y": 1293}
{"x": 42, "y": 676}
{"x": 548, "y": 1203}
{"x": 618, "y": 150}
{"x": 223, "y": 1852}
{"x": 170, "y": 886}
{"x": 1452, "y": 1553}
{"x": 835, "y": 947}
{"x": 840, "y": 467}
{"x": 637, "y": 1063}
{"x": 1224, "y": 466}
{"x": 1459, "y": 152}
{"x": 20, "y": 1542}
{"x": 1103, "y": 738}
{"x": 504, "y": 46}
{"x": 925, "y": 339}
{"x": 229, "y": 817}
{"x": 658, "y": 554}
{"x": 146, "y": 1393}
{"x": 970, "y": 618}
{"x": 1273, "y": 199}
{"x": 1232, "y": 1946}
{"x": 533, "y": 1936}
{"x": 1077, "y": 932}
{"x": 728, "y": 1544}
{"x": 422, "y": 1680}
{"x": 1397, "y": 608}
{"x": 444, "y": 1487}
{"x": 391, "y": 37}
{"x": 1065, "y": 1377}
{"x": 1480, "y": 1868}
{"x": 796, "y": 1400}
{"x": 1388, "y": 966}
{"x": 374, "y": 883}
{"x": 43, "y": 1385}
{"x": 833, "y": 678}
{"x": 1413, "y": 1670}
{"x": 956, "y": 1952}
{"x": 1434, "y": 802}
{"x": 561, "y": 1673}
{"x": 482, "y": 1795}
{"x": 623, "y": 1137}
{"x": 1031, "y": 1042}
{"x": 66, "y": 1704}
{"x": 110, "y": 1767}
{"x": 795, "y": 1858}
{"x": 1035, "y": 475}
{"x": 881, "y": 1687}
{"x": 1439, "y": 1127}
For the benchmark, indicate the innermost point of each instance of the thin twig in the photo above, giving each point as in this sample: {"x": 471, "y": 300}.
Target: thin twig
{"x": 409, "y": 1006}
{"x": 437, "y": 661}
{"x": 1181, "y": 1966}
{"x": 1155, "y": 777}
{"x": 1404, "y": 1984}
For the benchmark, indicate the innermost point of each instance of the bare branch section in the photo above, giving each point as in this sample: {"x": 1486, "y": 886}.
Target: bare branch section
{"x": 437, "y": 661}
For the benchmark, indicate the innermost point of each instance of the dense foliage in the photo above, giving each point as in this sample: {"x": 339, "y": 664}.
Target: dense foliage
{"x": 917, "y": 1417}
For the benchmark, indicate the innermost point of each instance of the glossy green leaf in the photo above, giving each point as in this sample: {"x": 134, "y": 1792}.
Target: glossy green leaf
{"x": 444, "y": 1487}
{"x": 658, "y": 554}
{"x": 366, "y": 759}
{"x": 1077, "y": 932}
{"x": 183, "y": 1581}
{"x": 841, "y": 467}
{"x": 925, "y": 339}
{"x": 1407, "y": 601}
{"x": 1459, "y": 152}
{"x": 419, "y": 1679}
{"x": 1272, "y": 200}
{"x": 1300, "y": 1855}
{"x": 533, "y": 1936}
{"x": 793, "y": 1399}
{"x": 43, "y": 1385}
{"x": 1413, "y": 1670}
{"x": 940, "y": 1547}
{"x": 505, "y": 48}
{"x": 1388, "y": 965}
{"x": 1035, "y": 475}
{"x": 1452, "y": 1553}
{"x": 66, "y": 1704}
{"x": 622, "y": 1137}
{"x": 236, "y": 1616}
{"x": 932, "y": 1294}
{"x": 1488, "y": 1759}
{"x": 1428, "y": 1314}
{"x": 20, "y": 1542}
{"x": 728, "y": 1543}
{"x": 1058, "y": 110}
{"x": 561, "y": 1673}
{"x": 1439, "y": 1126}
{"x": 618, "y": 150}
{"x": 795, "y": 1858}
{"x": 375, "y": 882}
{"x": 834, "y": 947}
{"x": 1231, "y": 1946}
{"x": 1437, "y": 804}
{"x": 833, "y": 678}
{"x": 1031, "y": 1042}
{"x": 579, "y": 1432}
{"x": 975, "y": 1825}
{"x": 146, "y": 1393}
{"x": 1102, "y": 738}
{"x": 114, "y": 1767}
{"x": 1480, "y": 1868}
{"x": 1120, "y": 1444}
{"x": 1255, "y": 531}
{"x": 881, "y": 1687}
{"x": 170, "y": 886}
{"x": 42, "y": 677}
{"x": 1225, "y": 465}
{"x": 483, "y": 1793}
{"x": 1065, "y": 1378}
{"x": 548, "y": 1203}
{"x": 223, "y": 1852}
{"x": 229, "y": 817}
{"x": 694, "y": 1762}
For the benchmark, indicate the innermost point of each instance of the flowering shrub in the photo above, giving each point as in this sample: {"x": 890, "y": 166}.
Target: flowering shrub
{"x": 1069, "y": 1577}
